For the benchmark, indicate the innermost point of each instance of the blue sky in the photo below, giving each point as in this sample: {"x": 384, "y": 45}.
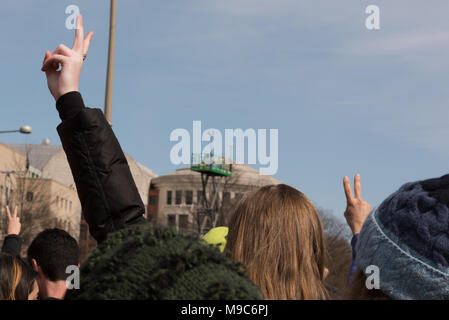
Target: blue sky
{"x": 345, "y": 100}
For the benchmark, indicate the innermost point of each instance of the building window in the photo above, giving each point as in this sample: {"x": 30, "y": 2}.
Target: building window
{"x": 29, "y": 196}
{"x": 189, "y": 197}
{"x": 238, "y": 196}
{"x": 183, "y": 221}
{"x": 226, "y": 197}
{"x": 171, "y": 222}
{"x": 83, "y": 231}
{"x": 169, "y": 197}
{"x": 178, "y": 195}
{"x": 153, "y": 200}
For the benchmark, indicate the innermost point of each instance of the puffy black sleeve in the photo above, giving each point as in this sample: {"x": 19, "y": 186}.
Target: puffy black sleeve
{"x": 109, "y": 197}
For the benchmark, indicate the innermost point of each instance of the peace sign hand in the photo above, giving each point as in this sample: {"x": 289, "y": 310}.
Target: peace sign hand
{"x": 13, "y": 221}
{"x": 67, "y": 78}
{"x": 357, "y": 209}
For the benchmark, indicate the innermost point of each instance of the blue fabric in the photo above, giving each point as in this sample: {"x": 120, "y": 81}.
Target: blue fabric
{"x": 418, "y": 222}
{"x": 403, "y": 273}
{"x": 354, "y": 267}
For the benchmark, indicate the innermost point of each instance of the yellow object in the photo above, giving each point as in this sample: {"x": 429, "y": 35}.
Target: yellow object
{"x": 217, "y": 237}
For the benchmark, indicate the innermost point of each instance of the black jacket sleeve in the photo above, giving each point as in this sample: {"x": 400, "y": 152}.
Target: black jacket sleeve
{"x": 12, "y": 245}
{"x": 107, "y": 191}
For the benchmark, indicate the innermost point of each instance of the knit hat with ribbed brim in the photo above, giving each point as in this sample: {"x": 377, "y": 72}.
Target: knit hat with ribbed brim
{"x": 407, "y": 238}
{"x": 158, "y": 263}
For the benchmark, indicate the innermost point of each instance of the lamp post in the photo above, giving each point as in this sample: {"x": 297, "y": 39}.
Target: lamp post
{"x": 25, "y": 130}
{"x": 22, "y": 129}
{"x": 110, "y": 71}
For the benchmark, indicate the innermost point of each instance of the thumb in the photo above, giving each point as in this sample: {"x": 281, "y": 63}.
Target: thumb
{"x": 47, "y": 55}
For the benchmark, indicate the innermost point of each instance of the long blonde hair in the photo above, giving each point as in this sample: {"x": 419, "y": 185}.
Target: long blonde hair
{"x": 17, "y": 278}
{"x": 277, "y": 233}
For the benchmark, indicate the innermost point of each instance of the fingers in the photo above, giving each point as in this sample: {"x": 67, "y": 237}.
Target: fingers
{"x": 47, "y": 55}
{"x": 357, "y": 187}
{"x": 79, "y": 35}
{"x": 86, "y": 43}
{"x": 63, "y": 50}
{"x": 348, "y": 191}
{"x": 14, "y": 215}
{"x": 8, "y": 212}
{"x": 55, "y": 59}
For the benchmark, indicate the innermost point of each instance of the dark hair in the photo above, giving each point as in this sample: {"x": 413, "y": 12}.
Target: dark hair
{"x": 357, "y": 290}
{"x": 54, "y": 250}
{"x": 17, "y": 278}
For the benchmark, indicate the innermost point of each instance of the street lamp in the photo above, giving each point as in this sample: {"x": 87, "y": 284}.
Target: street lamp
{"x": 110, "y": 70}
{"x": 23, "y": 129}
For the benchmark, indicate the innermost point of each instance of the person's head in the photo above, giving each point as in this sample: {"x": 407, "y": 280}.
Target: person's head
{"x": 51, "y": 252}
{"x": 403, "y": 247}
{"x": 17, "y": 279}
{"x": 277, "y": 233}
{"x": 157, "y": 263}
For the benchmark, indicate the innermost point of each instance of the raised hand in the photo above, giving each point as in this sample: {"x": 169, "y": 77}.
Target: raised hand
{"x": 13, "y": 221}
{"x": 67, "y": 78}
{"x": 357, "y": 209}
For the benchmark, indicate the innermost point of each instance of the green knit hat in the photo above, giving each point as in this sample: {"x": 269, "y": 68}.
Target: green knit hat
{"x": 158, "y": 263}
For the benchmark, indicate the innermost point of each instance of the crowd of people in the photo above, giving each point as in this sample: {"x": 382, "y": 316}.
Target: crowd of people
{"x": 275, "y": 246}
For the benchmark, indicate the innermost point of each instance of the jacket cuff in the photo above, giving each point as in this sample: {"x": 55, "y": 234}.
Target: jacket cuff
{"x": 12, "y": 244}
{"x": 69, "y": 104}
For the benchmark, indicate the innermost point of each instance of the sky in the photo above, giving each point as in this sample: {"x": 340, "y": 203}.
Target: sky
{"x": 345, "y": 99}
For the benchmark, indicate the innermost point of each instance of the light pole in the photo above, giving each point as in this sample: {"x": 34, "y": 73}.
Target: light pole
{"x": 23, "y": 129}
{"x": 110, "y": 72}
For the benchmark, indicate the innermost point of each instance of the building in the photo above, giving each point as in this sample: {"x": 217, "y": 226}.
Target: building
{"x": 43, "y": 202}
{"x": 174, "y": 198}
{"x": 48, "y": 165}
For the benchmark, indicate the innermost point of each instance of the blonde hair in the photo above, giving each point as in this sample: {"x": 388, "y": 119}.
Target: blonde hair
{"x": 277, "y": 233}
{"x": 17, "y": 278}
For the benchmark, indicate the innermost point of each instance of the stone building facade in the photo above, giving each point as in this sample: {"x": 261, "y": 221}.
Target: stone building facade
{"x": 175, "y": 197}
{"x": 48, "y": 187}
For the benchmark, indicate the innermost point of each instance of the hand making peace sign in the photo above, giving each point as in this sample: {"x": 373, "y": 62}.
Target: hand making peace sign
{"x": 357, "y": 209}
{"x": 13, "y": 221}
{"x": 71, "y": 61}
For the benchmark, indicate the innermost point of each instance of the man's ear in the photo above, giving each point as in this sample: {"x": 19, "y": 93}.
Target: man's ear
{"x": 35, "y": 265}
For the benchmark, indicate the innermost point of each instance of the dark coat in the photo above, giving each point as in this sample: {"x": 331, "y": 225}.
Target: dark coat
{"x": 12, "y": 244}
{"x": 109, "y": 197}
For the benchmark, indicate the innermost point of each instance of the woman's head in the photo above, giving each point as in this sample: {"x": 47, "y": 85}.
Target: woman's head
{"x": 277, "y": 233}
{"x": 17, "y": 279}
